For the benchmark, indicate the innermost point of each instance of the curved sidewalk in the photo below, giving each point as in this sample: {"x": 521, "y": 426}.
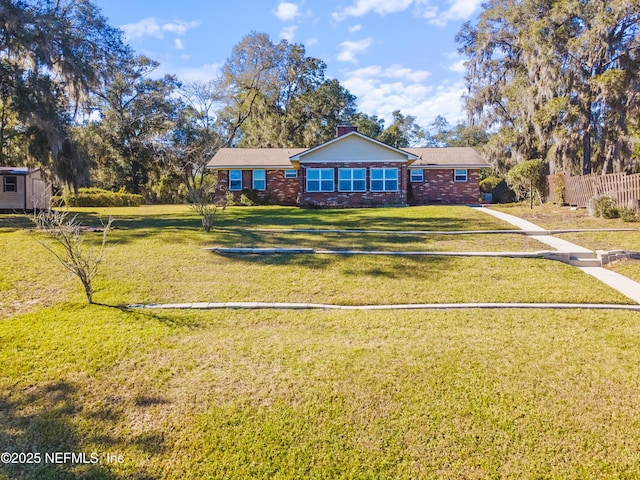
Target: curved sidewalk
{"x": 622, "y": 284}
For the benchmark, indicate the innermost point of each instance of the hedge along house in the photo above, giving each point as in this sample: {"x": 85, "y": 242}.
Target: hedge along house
{"x": 351, "y": 170}
{"x": 23, "y": 189}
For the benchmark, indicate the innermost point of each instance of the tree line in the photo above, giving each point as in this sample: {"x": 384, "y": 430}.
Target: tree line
{"x": 76, "y": 100}
{"x": 557, "y": 80}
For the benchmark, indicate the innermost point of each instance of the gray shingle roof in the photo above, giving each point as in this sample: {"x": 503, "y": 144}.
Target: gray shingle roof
{"x": 449, "y": 157}
{"x": 463, "y": 157}
{"x": 253, "y": 157}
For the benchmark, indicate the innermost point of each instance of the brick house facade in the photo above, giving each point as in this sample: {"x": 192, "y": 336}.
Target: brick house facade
{"x": 351, "y": 170}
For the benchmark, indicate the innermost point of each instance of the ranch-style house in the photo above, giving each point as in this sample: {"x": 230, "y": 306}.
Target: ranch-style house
{"x": 351, "y": 170}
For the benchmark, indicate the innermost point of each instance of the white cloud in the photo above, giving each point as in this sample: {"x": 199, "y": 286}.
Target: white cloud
{"x": 458, "y": 63}
{"x": 288, "y": 33}
{"x": 355, "y": 28}
{"x": 201, "y": 74}
{"x": 351, "y": 49}
{"x": 179, "y": 28}
{"x": 362, "y": 7}
{"x": 380, "y": 91}
{"x": 178, "y": 44}
{"x": 458, "y": 67}
{"x": 153, "y": 27}
{"x": 287, "y": 11}
{"x": 458, "y": 10}
{"x": 455, "y": 10}
{"x": 147, "y": 27}
{"x": 311, "y": 42}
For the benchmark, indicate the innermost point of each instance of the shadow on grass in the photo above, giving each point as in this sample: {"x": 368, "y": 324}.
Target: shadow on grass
{"x": 313, "y": 262}
{"x": 419, "y": 268}
{"x": 154, "y": 315}
{"x": 38, "y": 419}
{"x": 287, "y": 217}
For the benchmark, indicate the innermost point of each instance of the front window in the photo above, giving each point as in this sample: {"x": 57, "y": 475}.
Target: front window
{"x": 417, "y": 175}
{"x": 460, "y": 175}
{"x": 320, "y": 180}
{"x": 352, "y": 180}
{"x": 384, "y": 179}
{"x": 235, "y": 180}
{"x": 9, "y": 184}
{"x": 290, "y": 174}
{"x": 259, "y": 180}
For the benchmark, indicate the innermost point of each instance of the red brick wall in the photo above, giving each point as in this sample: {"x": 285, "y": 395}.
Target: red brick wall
{"x": 280, "y": 190}
{"x": 439, "y": 187}
{"x": 354, "y": 199}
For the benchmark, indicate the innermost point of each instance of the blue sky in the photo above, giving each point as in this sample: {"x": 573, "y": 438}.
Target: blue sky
{"x": 391, "y": 54}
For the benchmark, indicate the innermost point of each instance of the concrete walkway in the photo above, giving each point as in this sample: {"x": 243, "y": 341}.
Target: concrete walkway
{"x": 622, "y": 284}
{"x": 412, "y": 306}
{"x": 437, "y": 232}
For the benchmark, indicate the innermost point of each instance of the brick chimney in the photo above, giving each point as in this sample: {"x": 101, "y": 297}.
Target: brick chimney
{"x": 344, "y": 129}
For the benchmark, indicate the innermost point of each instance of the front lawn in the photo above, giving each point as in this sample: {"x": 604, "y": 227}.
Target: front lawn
{"x": 311, "y": 394}
{"x": 267, "y": 394}
{"x": 160, "y": 258}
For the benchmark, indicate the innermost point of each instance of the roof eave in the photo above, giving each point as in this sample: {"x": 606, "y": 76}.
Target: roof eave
{"x": 251, "y": 167}
{"x": 452, "y": 165}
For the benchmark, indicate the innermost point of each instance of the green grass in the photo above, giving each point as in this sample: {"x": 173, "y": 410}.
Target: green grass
{"x": 555, "y": 217}
{"x": 311, "y": 394}
{"x": 265, "y": 394}
{"x": 160, "y": 258}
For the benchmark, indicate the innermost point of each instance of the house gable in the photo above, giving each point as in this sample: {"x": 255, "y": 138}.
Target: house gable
{"x": 353, "y": 148}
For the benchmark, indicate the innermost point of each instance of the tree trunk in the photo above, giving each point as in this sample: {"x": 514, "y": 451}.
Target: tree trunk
{"x": 586, "y": 151}
{"x": 530, "y": 194}
{"x": 88, "y": 292}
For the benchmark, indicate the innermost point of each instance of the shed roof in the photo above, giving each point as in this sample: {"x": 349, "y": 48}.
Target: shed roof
{"x": 14, "y": 171}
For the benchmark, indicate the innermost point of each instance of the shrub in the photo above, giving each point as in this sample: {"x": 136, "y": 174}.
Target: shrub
{"x": 559, "y": 188}
{"x": 96, "y": 197}
{"x": 498, "y": 188}
{"x": 527, "y": 179}
{"x": 630, "y": 215}
{"x": 245, "y": 201}
{"x": 604, "y": 206}
{"x": 632, "y": 212}
{"x": 488, "y": 184}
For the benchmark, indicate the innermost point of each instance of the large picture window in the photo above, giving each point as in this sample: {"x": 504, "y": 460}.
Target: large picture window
{"x": 9, "y": 184}
{"x": 235, "y": 180}
{"x": 352, "y": 180}
{"x": 320, "y": 180}
{"x": 259, "y": 179}
{"x": 384, "y": 179}
{"x": 460, "y": 175}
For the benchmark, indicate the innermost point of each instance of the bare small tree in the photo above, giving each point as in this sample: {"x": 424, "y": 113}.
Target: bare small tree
{"x": 203, "y": 203}
{"x": 66, "y": 243}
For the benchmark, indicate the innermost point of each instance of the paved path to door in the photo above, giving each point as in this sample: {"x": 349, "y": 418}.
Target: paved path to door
{"x": 622, "y": 284}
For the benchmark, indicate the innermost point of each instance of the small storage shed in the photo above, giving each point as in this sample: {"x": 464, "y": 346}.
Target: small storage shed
{"x": 23, "y": 189}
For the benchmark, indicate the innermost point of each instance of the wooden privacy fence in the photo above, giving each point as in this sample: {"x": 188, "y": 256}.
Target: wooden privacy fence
{"x": 580, "y": 190}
